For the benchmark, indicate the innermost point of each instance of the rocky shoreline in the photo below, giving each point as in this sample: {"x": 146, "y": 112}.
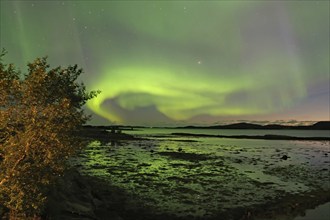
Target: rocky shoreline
{"x": 89, "y": 198}
{"x": 81, "y": 196}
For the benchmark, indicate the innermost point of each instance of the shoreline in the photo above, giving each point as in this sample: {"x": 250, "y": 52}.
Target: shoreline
{"x": 79, "y": 195}
{"x": 101, "y": 134}
{"x": 94, "y": 198}
{"x": 262, "y": 137}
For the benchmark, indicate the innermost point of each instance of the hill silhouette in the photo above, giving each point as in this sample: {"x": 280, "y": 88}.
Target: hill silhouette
{"x": 321, "y": 125}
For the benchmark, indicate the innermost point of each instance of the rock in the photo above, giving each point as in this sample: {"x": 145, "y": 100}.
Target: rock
{"x": 79, "y": 208}
{"x": 71, "y": 198}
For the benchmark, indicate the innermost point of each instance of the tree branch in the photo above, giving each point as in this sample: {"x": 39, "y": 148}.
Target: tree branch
{"x": 27, "y": 147}
{"x": 12, "y": 170}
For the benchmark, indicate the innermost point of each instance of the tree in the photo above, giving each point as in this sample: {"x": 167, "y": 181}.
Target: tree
{"x": 40, "y": 118}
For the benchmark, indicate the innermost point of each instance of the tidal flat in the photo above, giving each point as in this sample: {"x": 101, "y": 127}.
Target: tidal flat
{"x": 178, "y": 177}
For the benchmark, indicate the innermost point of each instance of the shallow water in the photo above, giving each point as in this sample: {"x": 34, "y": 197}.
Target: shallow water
{"x": 205, "y": 176}
{"x": 295, "y": 133}
{"x": 321, "y": 212}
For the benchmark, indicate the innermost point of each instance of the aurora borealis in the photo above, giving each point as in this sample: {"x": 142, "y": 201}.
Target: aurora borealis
{"x": 170, "y": 62}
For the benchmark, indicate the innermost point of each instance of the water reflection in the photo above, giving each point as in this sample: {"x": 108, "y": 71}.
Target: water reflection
{"x": 204, "y": 176}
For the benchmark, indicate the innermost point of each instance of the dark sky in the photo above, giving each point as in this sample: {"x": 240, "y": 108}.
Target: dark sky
{"x": 182, "y": 62}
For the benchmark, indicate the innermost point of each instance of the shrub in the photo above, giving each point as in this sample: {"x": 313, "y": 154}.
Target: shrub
{"x": 40, "y": 117}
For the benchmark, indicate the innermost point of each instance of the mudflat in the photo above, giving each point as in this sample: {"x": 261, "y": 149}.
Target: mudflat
{"x": 180, "y": 177}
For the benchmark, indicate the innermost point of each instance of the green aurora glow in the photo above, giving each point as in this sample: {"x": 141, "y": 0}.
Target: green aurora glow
{"x": 163, "y": 62}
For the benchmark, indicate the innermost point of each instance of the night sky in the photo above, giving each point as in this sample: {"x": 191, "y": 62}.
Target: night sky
{"x": 182, "y": 62}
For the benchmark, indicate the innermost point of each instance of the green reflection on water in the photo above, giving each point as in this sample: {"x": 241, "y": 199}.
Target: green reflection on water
{"x": 200, "y": 178}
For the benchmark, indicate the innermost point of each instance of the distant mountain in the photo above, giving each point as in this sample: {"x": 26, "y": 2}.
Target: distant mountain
{"x": 322, "y": 125}
{"x": 238, "y": 126}
{"x": 275, "y": 126}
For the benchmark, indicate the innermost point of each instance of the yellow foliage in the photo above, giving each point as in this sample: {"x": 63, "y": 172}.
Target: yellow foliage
{"x": 40, "y": 118}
